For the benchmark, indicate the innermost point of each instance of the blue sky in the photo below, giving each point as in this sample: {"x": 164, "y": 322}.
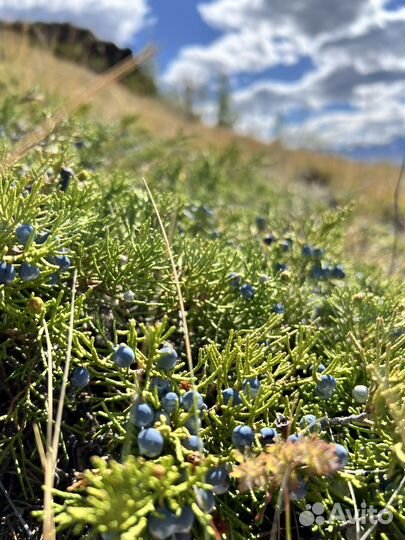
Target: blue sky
{"x": 177, "y": 23}
{"x": 331, "y": 71}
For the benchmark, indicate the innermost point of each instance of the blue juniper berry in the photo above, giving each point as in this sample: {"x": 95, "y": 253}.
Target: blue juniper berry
{"x": 150, "y": 442}
{"x": 247, "y": 291}
{"x": 7, "y": 273}
{"x": 124, "y": 356}
{"x": 80, "y": 377}
{"x": 24, "y": 232}
{"x": 29, "y": 272}
{"x": 168, "y": 358}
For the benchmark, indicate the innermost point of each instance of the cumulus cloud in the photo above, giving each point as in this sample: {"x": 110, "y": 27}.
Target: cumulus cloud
{"x": 356, "y": 49}
{"x": 310, "y": 18}
{"x": 114, "y": 20}
{"x": 260, "y": 34}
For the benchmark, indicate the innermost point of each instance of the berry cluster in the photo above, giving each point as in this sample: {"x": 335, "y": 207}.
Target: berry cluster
{"x": 26, "y": 235}
{"x": 319, "y": 270}
{"x": 182, "y": 412}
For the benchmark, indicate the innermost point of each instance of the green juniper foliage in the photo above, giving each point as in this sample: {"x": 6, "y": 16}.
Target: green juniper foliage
{"x": 280, "y": 329}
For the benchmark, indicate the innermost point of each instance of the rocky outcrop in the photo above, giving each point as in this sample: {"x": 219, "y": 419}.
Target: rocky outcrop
{"x": 82, "y": 46}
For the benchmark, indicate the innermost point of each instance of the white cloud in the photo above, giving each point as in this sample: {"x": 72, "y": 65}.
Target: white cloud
{"x": 362, "y": 128}
{"x": 310, "y": 18}
{"x": 356, "y": 48}
{"x": 260, "y": 34}
{"x": 114, "y": 20}
{"x": 245, "y": 51}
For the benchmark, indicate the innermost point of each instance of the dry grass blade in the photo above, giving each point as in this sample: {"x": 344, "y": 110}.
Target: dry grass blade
{"x": 397, "y": 218}
{"x": 82, "y": 97}
{"x": 53, "y": 435}
{"x": 50, "y": 383}
{"x": 179, "y": 294}
{"x": 356, "y": 510}
{"x": 176, "y": 280}
{"x": 59, "y": 412}
{"x": 49, "y": 532}
{"x": 40, "y": 446}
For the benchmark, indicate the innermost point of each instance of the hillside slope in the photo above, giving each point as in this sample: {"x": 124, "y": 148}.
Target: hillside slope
{"x": 371, "y": 187}
{"x": 81, "y": 46}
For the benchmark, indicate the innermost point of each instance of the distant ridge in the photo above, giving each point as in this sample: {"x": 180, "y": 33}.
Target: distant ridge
{"x": 83, "y": 47}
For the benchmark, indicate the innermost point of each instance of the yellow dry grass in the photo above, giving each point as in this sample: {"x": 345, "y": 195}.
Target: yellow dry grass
{"x": 39, "y": 68}
{"x": 371, "y": 187}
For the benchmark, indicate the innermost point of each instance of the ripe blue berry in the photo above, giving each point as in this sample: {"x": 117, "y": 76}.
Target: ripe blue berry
{"x": 326, "y": 386}
{"x": 184, "y": 521}
{"x": 124, "y": 356}
{"x": 281, "y": 267}
{"x": 319, "y": 369}
{"x": 62, "y": 261}
{"x": 150, "y": 442}
{"x": 337, "y": 272}
{"x": 295, "y": 437}
{"x": 261, "y": 223}
{"x": 286, "y": 244}
{"x": 168, "y": 358}
{"x": 360, "y": 393}
{"x": 193, "y": 425}
{"x": 234, "y": 279}
{"x": 161, "y": 385}
{"x": 194, "y": 443}
{"x": 251, "y": 386}
{"x": 192, "y": 399}
{"x": 309, "y": 422}
{"x": 66, "y": 174}
{"x": 43, "y": 238}
{"x": 7, "y": 273}
{"x": 170, "y": 402}
{"x": 268, "y": 240}
{"x": 219, "y": 479}
{"x": 279, "y": 309}
{"x": 317, "y": 252}
{"x": 318, "y": 272}
{"x": 342, "y": 454}
{"x": 29, "y": 272}
{"x": 247, "y": 291}
{"x": 242, "y": 436}
{"x": 24, "y": 232}
{"x": 80, "y": 377}
{"x": 142, "y": 414}
{"x": 165, "y": 524}
{"x": 268, "y": 435}
{"x": 231, "y": 396}
{"x": 161, "y": 525}
{"x": 205, "y": 500}
{"x": 308, "y": 251}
